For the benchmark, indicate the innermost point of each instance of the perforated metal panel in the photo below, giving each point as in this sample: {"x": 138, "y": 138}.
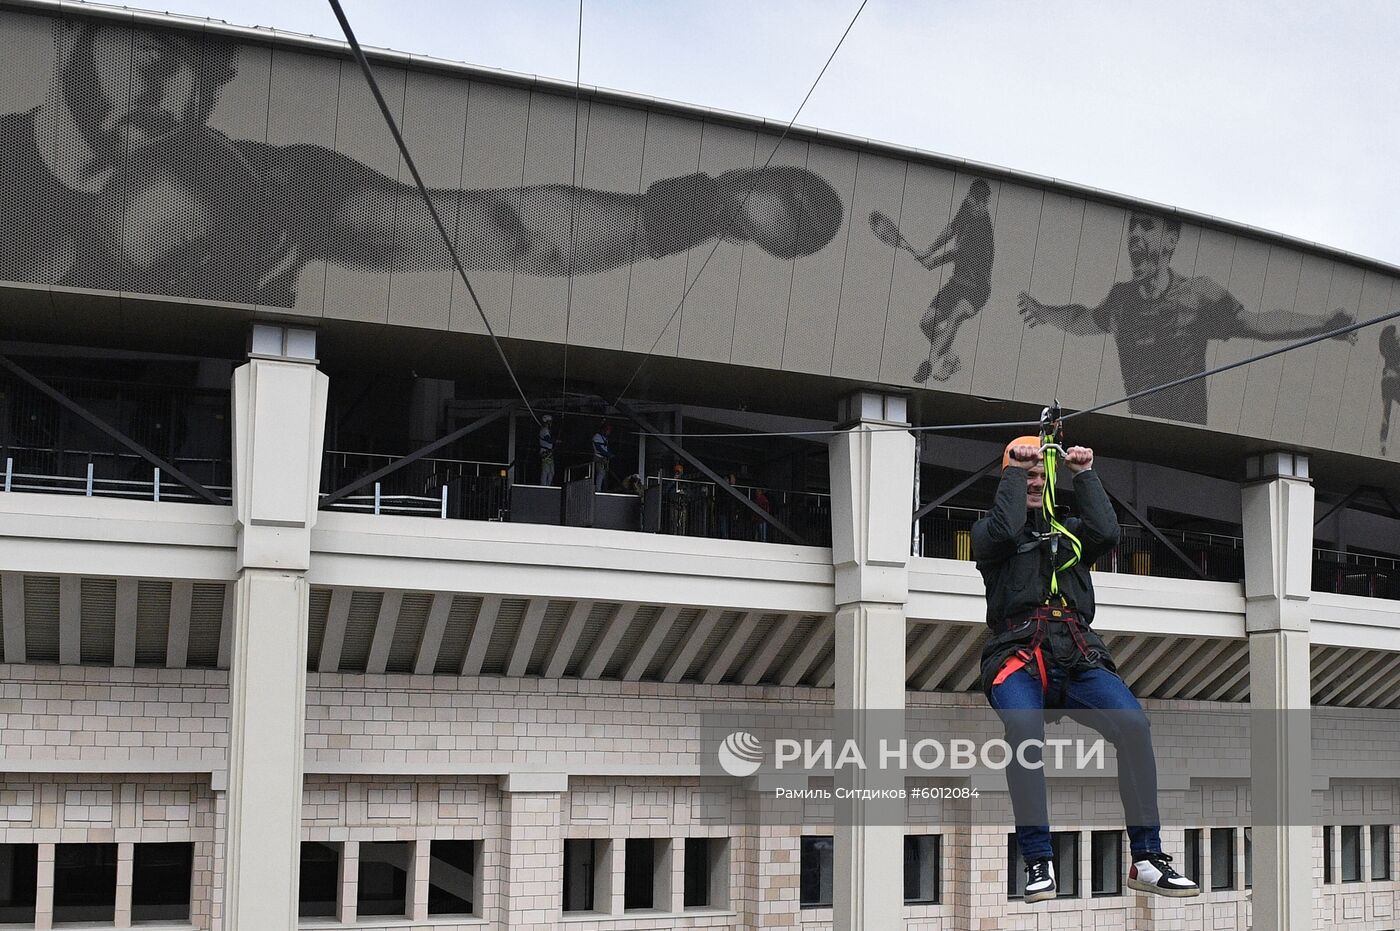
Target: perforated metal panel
{"x": 671, "y": 149}
{"x": 1051, "y": 282}
{"x": 41, "y": 618}
{"x": 765, "y": 285}
{"x": 493, "y": 160}
{"x": 1330, "y": 373}
{"x": 810, "y": 335}
{"x": 359, "y": 630}
{"x": 555, "y": 615}
{"x": 547, "y": 201}
{"x": 457, "y": 634}
{"x": 320, "y": 608}
{"x": 613, "y": 163}
{"x": 98, "y": 620}
{"x": 675, "y": 637}
{"x": 797, "y": 642}
{"x": 503, "y": 635}
{"x": 598, "y": 618}
{"x": 641, "y": 623}
{"x": 206, "y": 624}
{"x": 408, "y": 632}
{"x": 868, "y": 267}
{"x": 712, "y": 644}
{"x": 152, "y": 622}
{"x": 707, "y": 319}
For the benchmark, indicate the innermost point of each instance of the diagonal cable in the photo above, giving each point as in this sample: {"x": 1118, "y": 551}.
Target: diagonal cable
{"x": 742, "y": 204}
{"x": 576, "y": 182}
{"x": 945, "y": 428}
{"x": 423, "y": 190}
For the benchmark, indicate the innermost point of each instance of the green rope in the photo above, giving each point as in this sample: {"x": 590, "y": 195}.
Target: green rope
{"x": 1047, "y": 506}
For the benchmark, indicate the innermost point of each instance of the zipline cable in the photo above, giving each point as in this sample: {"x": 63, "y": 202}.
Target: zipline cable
{"x": 423, "y": 190}
{"x": 575, "y": 181}
{"x": 742, "y": 204}
{"x": 947, "y": 428}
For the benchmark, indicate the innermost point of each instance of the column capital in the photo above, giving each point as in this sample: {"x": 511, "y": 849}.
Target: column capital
{"x": 873, "y": 406}
{"x": 279, "y": 425}
{"x": 1278, "y": 534}
{"x": 519, "y": 783}
{"x": 1276, "y": 464}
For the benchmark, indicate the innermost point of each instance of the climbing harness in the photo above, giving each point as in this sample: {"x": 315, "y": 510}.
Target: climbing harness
{"x": 1052, "y": 450}
{"x": 1051, "y": 435}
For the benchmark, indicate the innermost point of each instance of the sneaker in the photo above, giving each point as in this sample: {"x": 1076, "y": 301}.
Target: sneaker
{"x": 925, "y": 369}
{"x": 1155, "y": 874}
{"x": 1040, "y": 881}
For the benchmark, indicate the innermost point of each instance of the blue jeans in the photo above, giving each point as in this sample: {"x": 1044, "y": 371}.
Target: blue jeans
{"x": 1101, "y": 700}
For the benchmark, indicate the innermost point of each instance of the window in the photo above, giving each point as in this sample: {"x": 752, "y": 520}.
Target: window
{"x": 1222, "y": 858}
{"x": 1351, "y": 853}
{"x": 319, "y": 893}
{"x": 384, "y": 867}
{"x": 639, "y": 865}
{"x": 921, "y": 869}
{"x": 1380, "y": 852}
{"x": 1065, "y": 857}
{"x": 706, "y": 872}
{"x": 1249, "y": 858}
{"x": 1106, "y": 863}
{"x": 85, "y": 883}
{"x": 452, "y": 877}
{"x": 816, "y": 882}
{"x": 160, "y": 882}
{"x": 1191, "y": 854}
{"x": 1327, "y": 853}
{"x": 19, "y": 880}
{"x": 583, "y": 860}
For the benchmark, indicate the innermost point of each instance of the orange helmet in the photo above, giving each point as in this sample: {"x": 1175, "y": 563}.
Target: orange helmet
{"x": 1019, "y": 441}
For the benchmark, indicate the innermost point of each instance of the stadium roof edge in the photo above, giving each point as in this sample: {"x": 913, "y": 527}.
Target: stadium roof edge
{"x": 275, "y": 36}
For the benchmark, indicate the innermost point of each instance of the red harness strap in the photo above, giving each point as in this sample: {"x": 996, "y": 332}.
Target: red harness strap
{"x": 1023, "y": 656}
{"x": 1043, "y": 615}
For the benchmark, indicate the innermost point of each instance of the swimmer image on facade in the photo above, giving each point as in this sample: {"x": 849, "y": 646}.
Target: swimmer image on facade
{"x": 438, "y": 497}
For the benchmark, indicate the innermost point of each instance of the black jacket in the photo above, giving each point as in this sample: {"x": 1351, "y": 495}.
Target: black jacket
{"x": 1017, "y": 574}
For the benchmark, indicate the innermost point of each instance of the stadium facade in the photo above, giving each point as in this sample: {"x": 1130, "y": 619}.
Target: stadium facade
{"x": 299, "y": 630}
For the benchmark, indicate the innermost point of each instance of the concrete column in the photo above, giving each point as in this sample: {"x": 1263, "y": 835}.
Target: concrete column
{"x": 533, "y": 848}
{"x": 1278, "y": 528}
{"x": 872, "y": 483}
{"x": 279, "y": 401}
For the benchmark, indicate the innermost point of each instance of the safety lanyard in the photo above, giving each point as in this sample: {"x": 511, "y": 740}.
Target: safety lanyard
{"x": 1050, "y": 435}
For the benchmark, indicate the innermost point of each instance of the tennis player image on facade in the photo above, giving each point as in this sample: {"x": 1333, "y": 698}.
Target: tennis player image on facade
{"x": 132, "y": 190}
{"x": 1163, "y": 322}
{"x": 968, "y": 238}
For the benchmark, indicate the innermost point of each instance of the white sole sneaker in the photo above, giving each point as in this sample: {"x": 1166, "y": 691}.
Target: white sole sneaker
{"x": 1144, "y": 886}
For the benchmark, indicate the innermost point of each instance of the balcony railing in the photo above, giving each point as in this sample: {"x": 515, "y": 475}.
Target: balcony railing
{"x": 443, "y": 488}
{"x": 109, "y": 475}
{"x": 947, "y": 534}
{"x": 701, "y": 509}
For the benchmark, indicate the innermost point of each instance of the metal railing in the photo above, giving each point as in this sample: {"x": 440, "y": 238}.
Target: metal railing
{"x": 947, "y": 533}
{"x": 442, "y": 488}
{"x": 692, "y": 508}
{"x": 1355, "y": 574}
{"x": 95, "y": 475}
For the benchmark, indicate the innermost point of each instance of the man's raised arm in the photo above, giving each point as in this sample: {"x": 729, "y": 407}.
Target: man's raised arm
{"x": 994, "y": 536}
{"x": 373, "y": 222}
{"x": 1098, "y": 529}
{"x": 1072, "y": 318}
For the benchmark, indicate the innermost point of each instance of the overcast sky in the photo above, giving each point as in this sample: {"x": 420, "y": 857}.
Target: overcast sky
{"x": 1277, "y": 114}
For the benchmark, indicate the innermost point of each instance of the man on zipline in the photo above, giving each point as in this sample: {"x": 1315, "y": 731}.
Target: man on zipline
{"x": 1043, "y": 654}
{"x": 1163, "y": 322}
